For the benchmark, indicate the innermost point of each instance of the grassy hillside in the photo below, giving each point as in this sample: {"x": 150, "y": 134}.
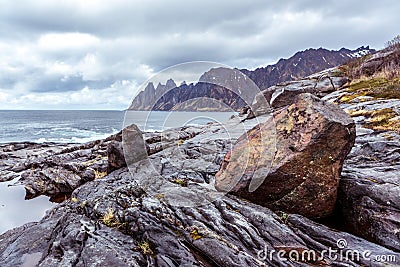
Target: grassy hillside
{"x": 374, "y": 79}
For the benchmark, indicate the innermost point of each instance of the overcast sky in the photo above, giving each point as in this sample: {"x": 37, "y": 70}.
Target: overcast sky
{"x": 88, "y": 54}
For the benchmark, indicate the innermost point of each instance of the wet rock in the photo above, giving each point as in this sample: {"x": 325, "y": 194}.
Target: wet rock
{"x": 368, "y": 196}
{"x": 302, "y": 176}
{"x": 67, "y": 238}
{"x": 14, "y": 155}
{"x": 134, "y": 146}
{"x": 54, "y": 169}
{"x": 370, "y": 186}
{"x": 50, "y": 181}
{"x": 88, "y": 174}
{"x": 115, "y": 154}
{"x": 146, "y": 231}
{"x": 58, "y": 169}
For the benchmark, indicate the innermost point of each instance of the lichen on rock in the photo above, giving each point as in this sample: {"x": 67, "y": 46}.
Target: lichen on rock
{"x": 312, "y": 140}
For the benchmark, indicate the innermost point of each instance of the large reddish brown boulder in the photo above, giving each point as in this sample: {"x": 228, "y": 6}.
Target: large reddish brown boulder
{"x": 312, "y": 140}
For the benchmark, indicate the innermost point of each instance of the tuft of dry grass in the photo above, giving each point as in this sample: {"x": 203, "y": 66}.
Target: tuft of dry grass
{"x": 195, "y": 235}
{"x": 180, "y": 181}
{"x": 181, "y": 142}
{"x": 99, "y": 174}
{"x": 110, "y": 220}
{"x": 145, "y": 247}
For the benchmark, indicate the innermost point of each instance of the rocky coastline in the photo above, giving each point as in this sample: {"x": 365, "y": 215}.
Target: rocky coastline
{"x": 349, "y": 202}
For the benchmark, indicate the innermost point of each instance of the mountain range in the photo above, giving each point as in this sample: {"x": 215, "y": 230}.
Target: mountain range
{"x": 195, "y": 97}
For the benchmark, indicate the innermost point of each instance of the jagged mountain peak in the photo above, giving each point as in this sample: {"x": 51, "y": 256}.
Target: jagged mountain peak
{"x": 150, "y": 86}
{"x": 170, "y": 83}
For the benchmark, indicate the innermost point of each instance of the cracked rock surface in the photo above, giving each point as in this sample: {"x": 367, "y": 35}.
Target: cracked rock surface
{"x": 145, "y": 230}
{"x": 369, "y": 191}
{"x": 111, "y": 221}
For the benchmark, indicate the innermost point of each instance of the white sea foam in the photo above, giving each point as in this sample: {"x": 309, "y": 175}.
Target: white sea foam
{"x": 79, "y": 140}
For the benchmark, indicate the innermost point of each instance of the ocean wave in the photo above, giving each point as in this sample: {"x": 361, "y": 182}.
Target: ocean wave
{"x": 76, "y": 139}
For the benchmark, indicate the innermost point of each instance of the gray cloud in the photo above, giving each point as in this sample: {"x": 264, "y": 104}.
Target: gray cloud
{"x": 61, "y": 49}
{"x": 58, "y": 83}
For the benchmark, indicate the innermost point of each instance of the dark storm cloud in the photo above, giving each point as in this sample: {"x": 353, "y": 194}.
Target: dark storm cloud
{"x": 123, "y": 17}
{"x": 58, "y": 83}
{"x": 64, "y": 46}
